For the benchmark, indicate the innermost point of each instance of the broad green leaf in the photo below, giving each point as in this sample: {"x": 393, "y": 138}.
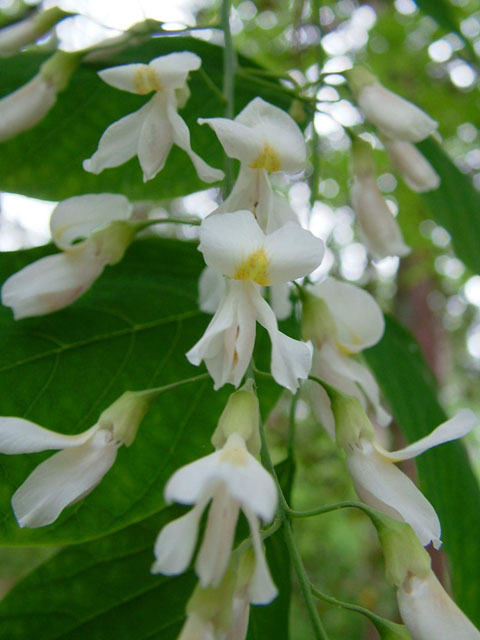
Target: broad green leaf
{"x": 33, "y": 161}
{"x": 99, "y": 589}
{"x": 445, "y": 474}
{"x": 455, "y": 205}
{"x": 130, "y": 331}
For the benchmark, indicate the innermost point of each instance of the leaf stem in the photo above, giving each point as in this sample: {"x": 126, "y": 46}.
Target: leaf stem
{"x": 229, "y": 65}
{"x": 144, "y": 224}
{"x": 156, "y": 391}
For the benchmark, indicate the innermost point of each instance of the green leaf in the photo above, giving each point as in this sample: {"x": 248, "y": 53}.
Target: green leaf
{"x": 129, "y": 332}
{"x": 455, "y": 205}
{"x": 445, "y": 474}
{"x": 100, "y": 589}
{"x": 33, "y": 161}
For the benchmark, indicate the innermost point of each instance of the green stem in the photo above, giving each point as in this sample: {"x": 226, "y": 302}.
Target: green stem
{"x": 157, "y": 391}
{"x": 317, "y": 626}
{"x": 139, "y": 225}
{"x": 327, "y": 508}
{"x": 377, "y": 620}
{"x": 211, "y": 85}
{"x": 291, "y": 427}
{"x": 229, "y": 65}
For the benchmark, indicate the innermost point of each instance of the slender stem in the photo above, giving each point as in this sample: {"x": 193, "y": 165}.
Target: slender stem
{"x": 143, "y": 224}
{"x": 347, "y": 605}
{"x": 173, "y": 385}
{"x": 327, "y": 508}
{"x": 317, "y": 626}
{"x": 291, "y": 427}
{"x": 211, "y": 85}
{"x": 229, "y": 65}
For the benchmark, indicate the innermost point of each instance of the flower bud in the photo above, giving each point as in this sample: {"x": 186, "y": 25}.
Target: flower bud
{"x": 240, "y": 416}
{"x": 17, "y": 35}
{"x": 124, "y": 416}
{"x": 393, "y": 115}
{"x": 351, "y": 421}
{"x": 318, "y": 325}
{"x": 412, "y": 165}
{"x": 25, "y": 107}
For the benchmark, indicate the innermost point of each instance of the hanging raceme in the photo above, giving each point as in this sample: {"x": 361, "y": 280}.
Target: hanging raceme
{"x": 260, "y": 267}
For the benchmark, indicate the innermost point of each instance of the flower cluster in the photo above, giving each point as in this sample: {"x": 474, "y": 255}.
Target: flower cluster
{"x": 253, "y": 247}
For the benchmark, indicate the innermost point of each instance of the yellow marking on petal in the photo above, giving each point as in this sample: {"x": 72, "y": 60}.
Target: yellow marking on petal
{"x": 345, "y": 350}
{"x": 268, "y": 160}
{"x": 254, "y": 267}
{"x": 234, "y": 454}
{"x": 146, "y": 80}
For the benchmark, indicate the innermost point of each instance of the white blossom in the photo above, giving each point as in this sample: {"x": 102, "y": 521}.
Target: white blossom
{"x": 383, "y": 486}
{"x": 92, "y": 232}
{"x": 232, "y": 480}
{"x": 412, "y": 165}
{"x": 351, "y": 322}
{"x": 151, "y": 131}
{"x": 234, "y": 245}
{"x": 429, "y": 613}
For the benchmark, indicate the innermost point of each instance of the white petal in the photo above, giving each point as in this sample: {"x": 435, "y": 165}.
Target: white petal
{"x": 181, "y": 137}
{"x": 276, "y": 128}
{"x": 429, "y": 613}
{"x": 22, "y": 436}
{"x": 173, "y": 69}
{"x": 378, "y": 227}
{"x": 457, "y": 427}
{"x": 227, "y": 344}
{"x": 241, "y": 614}
{"x": 359, "y": 319}
{"x": 293, "y": 252}
{"x": 417, "y": 172}
{"x": 63, "y": 479}
{"x": 155, "y": 138}
{"x": 349, "y": 369}
{"x": 321, "y": 407}
{"x": 261, "y": 589}
{"x": 395, "y": 116}
{"x": 50, "y": 283}
{"x": 211, "y": 289}
{"x": 374, "y": 475}
{"x": 237, "y": 140}
{"x": 76, "y": 218}
{"x": 280, "y": 300}
{"x": 214, "y": 554}
{"x": 190, "y": 483}
{"x": 196, "y": 628}
{"x": 23, "y": 108}
{"x": 119, "y": 142}
{"x": 175, "y": 543}
{"x": 124, "y": 76}
{"x": 227, "y": 239}
{"x": 291, "y": 359}
{"x": 280, "y": 213}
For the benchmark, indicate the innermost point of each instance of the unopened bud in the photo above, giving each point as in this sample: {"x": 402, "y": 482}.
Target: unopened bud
{"x": 124, "y": 416}
{"x": 215, "y": 604}
{"x": 358, "y": 78}
{"x": 351, "y": 421}
{"x": 240, "y": 416}
{"x": 17, "y": 35}
{"x": 362, "y": 163}
{"x": 318, "y": 324}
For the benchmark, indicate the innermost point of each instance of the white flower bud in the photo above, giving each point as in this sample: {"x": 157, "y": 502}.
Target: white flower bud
{"x": 412, "y": 165}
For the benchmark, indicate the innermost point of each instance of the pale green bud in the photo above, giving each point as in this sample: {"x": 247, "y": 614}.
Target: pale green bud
{"x": 391, "y": 631}
{"x": 114, "y": 240}
{"x": 124, "y": 416}
{"x": 215, "y": 604}
{"x": 15, "y": 36}
{"x": 403, "y": 552}
{"x": 240, "y": 416}
{"x": 358, "y": 78}
{"x": 351, "y": 421}
{"x": 318, "y": 324}
{"x": 57, "y": 70}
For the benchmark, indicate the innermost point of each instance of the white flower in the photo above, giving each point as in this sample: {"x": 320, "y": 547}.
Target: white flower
{"x": 62, "y": 479}
{"x": 266, "y": 140}
{"x": 26, "y": 106}
{"x": 378, "y": 227}
{"x": 393, "y": 115}
{"x": 151, "y": 131}
{"x": 415, "y": 169}
{"x": 233, "y": 244}
{"x": 355, "y": 322}
{"x": 92, "y": 232}
{"x": 232, "y": 480}
{"x": 383, "y": 486}
{"x": 430, "y": 614}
